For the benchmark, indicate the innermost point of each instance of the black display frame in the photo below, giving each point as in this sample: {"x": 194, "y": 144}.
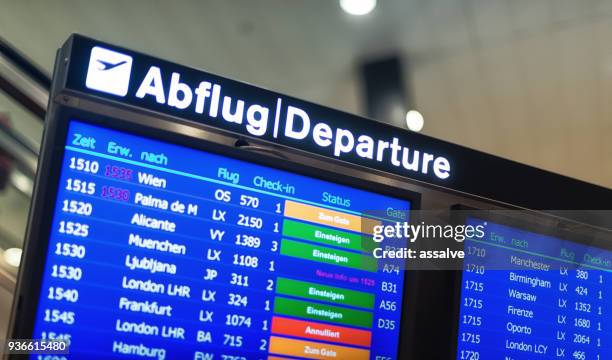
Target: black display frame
{"x": 39, "y": 228}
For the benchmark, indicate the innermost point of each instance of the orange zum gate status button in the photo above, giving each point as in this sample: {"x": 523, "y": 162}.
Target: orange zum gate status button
{"x": 315, "y": 350}
{"x": 329, "y": 217}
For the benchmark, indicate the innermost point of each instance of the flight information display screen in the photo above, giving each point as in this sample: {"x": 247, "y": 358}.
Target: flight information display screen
{"x": 162, "y": 251}
{"x": 527, "y": 295}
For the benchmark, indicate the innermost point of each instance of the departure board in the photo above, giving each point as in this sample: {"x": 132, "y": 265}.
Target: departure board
{"x": 166, "y": 252}
{"x": 527, "y": 295}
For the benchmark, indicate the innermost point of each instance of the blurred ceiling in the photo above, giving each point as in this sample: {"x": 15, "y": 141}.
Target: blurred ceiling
{"x": 528, "y": 80}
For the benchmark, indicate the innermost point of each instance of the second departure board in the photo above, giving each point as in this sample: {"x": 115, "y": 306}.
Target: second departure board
{"x": 166, "y": 252}
{"x": 527, "y": 295}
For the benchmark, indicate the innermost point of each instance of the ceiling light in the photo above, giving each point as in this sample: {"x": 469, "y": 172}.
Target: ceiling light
{"x": 414, "y": 120}
{"x": 22, "y": 182}
{"x": 12, "y": 256}
{"x": 358, "y": 7}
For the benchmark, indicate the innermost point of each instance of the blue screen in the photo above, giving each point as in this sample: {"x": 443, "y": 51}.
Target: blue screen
{"x": 162, "y": 251}
{"x": 527, "y": 295}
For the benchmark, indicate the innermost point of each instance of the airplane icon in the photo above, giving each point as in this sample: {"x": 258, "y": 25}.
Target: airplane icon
{"x": 108, "y": 66}
{"x": 109, "y": 71}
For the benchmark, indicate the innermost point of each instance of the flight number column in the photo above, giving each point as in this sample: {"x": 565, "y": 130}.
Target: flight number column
{"x": 245, "y": 241}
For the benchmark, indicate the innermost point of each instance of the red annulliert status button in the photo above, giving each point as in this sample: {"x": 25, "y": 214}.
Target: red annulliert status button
{"x": 320, "y": 331}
